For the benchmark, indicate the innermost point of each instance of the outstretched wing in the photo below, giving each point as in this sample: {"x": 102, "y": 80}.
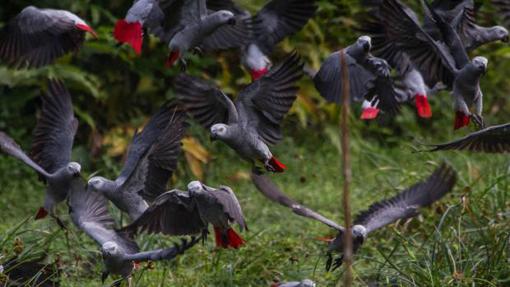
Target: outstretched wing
{"x": 270, "y": 190}
{"x": 407, "y": 203}
{"x": 172, "y": 213}
{"x": 432, "y": 58}
{"x": 10, "y": 147}
{"x": 265, "y": 102}
{"x": 227, "y": 198}
{"x": 133, "y": 172}
{"x": 36, "y": 37}
{"x": 89, "y": 212}
{"x": 163, "y": 254}
{"x": 328, "y": 80}
{"x": 495, "y": 139}
{"x": 201, "y": 99}
{"x": 230, "y": 36}
{"x": 163, "y": 157}
{"x": 279, "y": 19}
{"x": 55, "y": 130}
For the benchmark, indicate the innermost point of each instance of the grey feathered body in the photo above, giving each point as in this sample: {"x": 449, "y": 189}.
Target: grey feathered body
{"x": 57, "y": 189}
{"x": 211, "y": 211}
{"x": 466, "y": 89}
{"x": 247, "y": 143}
{"x": 128, "y": 202}
{"x": 117, "y": 265}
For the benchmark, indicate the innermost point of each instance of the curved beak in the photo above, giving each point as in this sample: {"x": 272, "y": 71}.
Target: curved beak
{"x": 212, "y": 138}
{"x": 506, "y": 39}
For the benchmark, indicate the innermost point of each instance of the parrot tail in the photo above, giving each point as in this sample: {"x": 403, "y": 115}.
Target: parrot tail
{"x": 228, "y": 238}
{"x": 41, "y": 213}
{"x": 174, "y": 56}
{"x": 423, "y": 106}
{"x": 130, "y": 33}
{"x": 369, "y": 113}
{"x": 277, "y": 165}
{"x": 461, "y": 120}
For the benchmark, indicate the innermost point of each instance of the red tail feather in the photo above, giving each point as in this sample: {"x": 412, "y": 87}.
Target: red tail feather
{"x": 461, "y": 120}
{"x": 257, "y": 74}
{"x": 41, "y": 213}
{"x": 423, "y": 106}
{"x": 174, "y": 56}
{"x": 228, "y": 238}
{"x": 130, "y": 33}
{"x": 277, "y": 165}
{"x": 369, "y": 113}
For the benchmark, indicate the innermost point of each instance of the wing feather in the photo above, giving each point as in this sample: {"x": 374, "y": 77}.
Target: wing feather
{"x": 407, "y": 203}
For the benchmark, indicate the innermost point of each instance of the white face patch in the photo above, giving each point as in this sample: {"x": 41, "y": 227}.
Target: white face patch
{"x": 109, "y": 247}
{"x": 360, "y": 229}
{"x": 480, "y": 61}
{"x": 365, "y": 39}
{"x": 219, "y": 130}
{"x": 195, "y": 186}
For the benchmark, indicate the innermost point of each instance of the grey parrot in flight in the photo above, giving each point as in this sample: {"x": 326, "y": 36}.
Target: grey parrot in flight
{"x": 404, "y": 205}
{"x": 271, "y": 24}
{"x": 443, "y": 60}
{"x": 89, "y": 212}
{"x": 494, "y": 139}
{"x": 182, "y": 24}
{"x": 151, "y": 159}
{"x": 369, "y": 79}
{"x": 52, "y": 143}
{"x": 36, "y": 37}
{"x": 188, "y": 213}
{"x": 252, "y": 122}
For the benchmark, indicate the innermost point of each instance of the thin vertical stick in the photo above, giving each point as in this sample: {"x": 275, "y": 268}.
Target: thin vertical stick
{"x": 346, "y": 170}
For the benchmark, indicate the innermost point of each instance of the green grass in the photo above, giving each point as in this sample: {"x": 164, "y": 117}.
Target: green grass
{"x": 461, "y": 241}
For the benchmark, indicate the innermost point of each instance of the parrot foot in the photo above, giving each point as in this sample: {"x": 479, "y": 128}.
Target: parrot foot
{"x": 198, "y": 51}
{"x": 478, "y": 120}
{"x": 183, "y": 65}
{"x": 268, "y": 166}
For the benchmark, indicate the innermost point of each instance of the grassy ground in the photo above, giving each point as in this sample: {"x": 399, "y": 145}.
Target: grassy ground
{"x": 461, "y": 241}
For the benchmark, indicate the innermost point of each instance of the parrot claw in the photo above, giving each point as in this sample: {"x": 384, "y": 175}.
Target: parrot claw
{"x": 478, "y": 120}
{"x": 59, "y": 222}
{"x": 198, "y": 51}
{"x": 183, "y": 65}
{"x": 257, "y": 170}
{"x": 329, "y": 260}
{"x": 338, "y": 262}
{"x": 268, "y": 166}
{"x": 205, "y": 232}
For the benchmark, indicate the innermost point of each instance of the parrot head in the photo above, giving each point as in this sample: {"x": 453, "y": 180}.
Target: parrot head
{"x": 365, "y": 42}
{"x": 96, "y": 183}
{"x": 74, "y": 169}
{"x": 224, "y": 16}
{"x": 195, "y": 187}
{"x": 110, "y": 248}
{"x": 480, "y": 64}
{"x": 219, "y": 131}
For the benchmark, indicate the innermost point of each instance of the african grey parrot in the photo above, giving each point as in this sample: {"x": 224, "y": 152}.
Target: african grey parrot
{"x": 252, "y": 122}
{"x": 439, "y": 61}
{"x": 151, "y": 160}
{"x": 187, "y": 213}
{"x": 402, "y": 206}
{"x": 52, "y": 143}
{"x": 183, "y": 24}
{"x": 89, "y": 212}
{"x": 303, "y": 283}
{"x": 494, "y": 139}
{"x": 369, "y": 79}
{"x": 461, "y": 15}
{"x": 36, "y": 37}
{"x": 275, "y": 21}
